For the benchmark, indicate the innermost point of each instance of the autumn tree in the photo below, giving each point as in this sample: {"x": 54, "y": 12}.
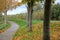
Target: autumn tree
{"x": 8, "y": 6}
{"x": 30, "y": 4}
{"x": 2, "y": 7}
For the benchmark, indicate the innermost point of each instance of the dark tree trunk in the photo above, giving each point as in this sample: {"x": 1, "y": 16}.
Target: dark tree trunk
{"x": 46, "y": 28}
{"x": 30, "y": 11}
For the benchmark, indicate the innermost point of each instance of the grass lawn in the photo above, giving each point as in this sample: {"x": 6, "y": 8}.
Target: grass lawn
{"x": 3, "y": 27}
{"x": 37, "y": 34}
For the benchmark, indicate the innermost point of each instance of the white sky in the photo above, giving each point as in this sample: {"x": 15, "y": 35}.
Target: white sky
{"x": 19, "y": 0}
{"x": 57, "y": 1}
{"x": 21, "y": 9}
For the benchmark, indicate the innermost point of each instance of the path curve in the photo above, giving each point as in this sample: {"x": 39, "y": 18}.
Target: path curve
{"x": 8, "y": 34}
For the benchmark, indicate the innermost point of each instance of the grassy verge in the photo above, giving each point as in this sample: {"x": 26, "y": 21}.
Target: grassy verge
{"x": 3, "y": 27}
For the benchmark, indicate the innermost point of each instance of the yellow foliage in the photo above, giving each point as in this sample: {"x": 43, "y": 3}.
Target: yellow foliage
{"x": 2, "y": 5}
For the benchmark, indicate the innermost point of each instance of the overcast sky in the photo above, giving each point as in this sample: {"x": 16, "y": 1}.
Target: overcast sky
{"x": 22, "y": 9}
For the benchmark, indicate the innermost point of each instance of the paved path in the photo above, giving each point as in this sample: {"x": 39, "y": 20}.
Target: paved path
{"x": 8, "y": 34}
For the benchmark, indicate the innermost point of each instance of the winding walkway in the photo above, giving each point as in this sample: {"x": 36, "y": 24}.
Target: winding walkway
{"x": 8, "y": 34}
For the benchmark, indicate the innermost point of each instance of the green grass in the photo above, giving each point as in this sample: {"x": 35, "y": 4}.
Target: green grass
{"x": 4, "y": 26}
{"x": 22, "y": 22}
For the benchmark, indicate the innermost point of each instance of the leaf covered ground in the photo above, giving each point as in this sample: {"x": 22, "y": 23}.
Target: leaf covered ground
{"x": 37, "y": 34}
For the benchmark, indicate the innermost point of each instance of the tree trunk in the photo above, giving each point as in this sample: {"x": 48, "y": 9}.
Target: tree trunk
{"x": 0, "y": 17}
{"x": 30, "y": 11}
{"x": 46, "y": 28}
{"x": 5, "y": 17}
{"x": 28, "y": 14}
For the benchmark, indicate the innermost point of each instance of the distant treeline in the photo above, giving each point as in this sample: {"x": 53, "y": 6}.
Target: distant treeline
{"x": 39, "y": 14}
